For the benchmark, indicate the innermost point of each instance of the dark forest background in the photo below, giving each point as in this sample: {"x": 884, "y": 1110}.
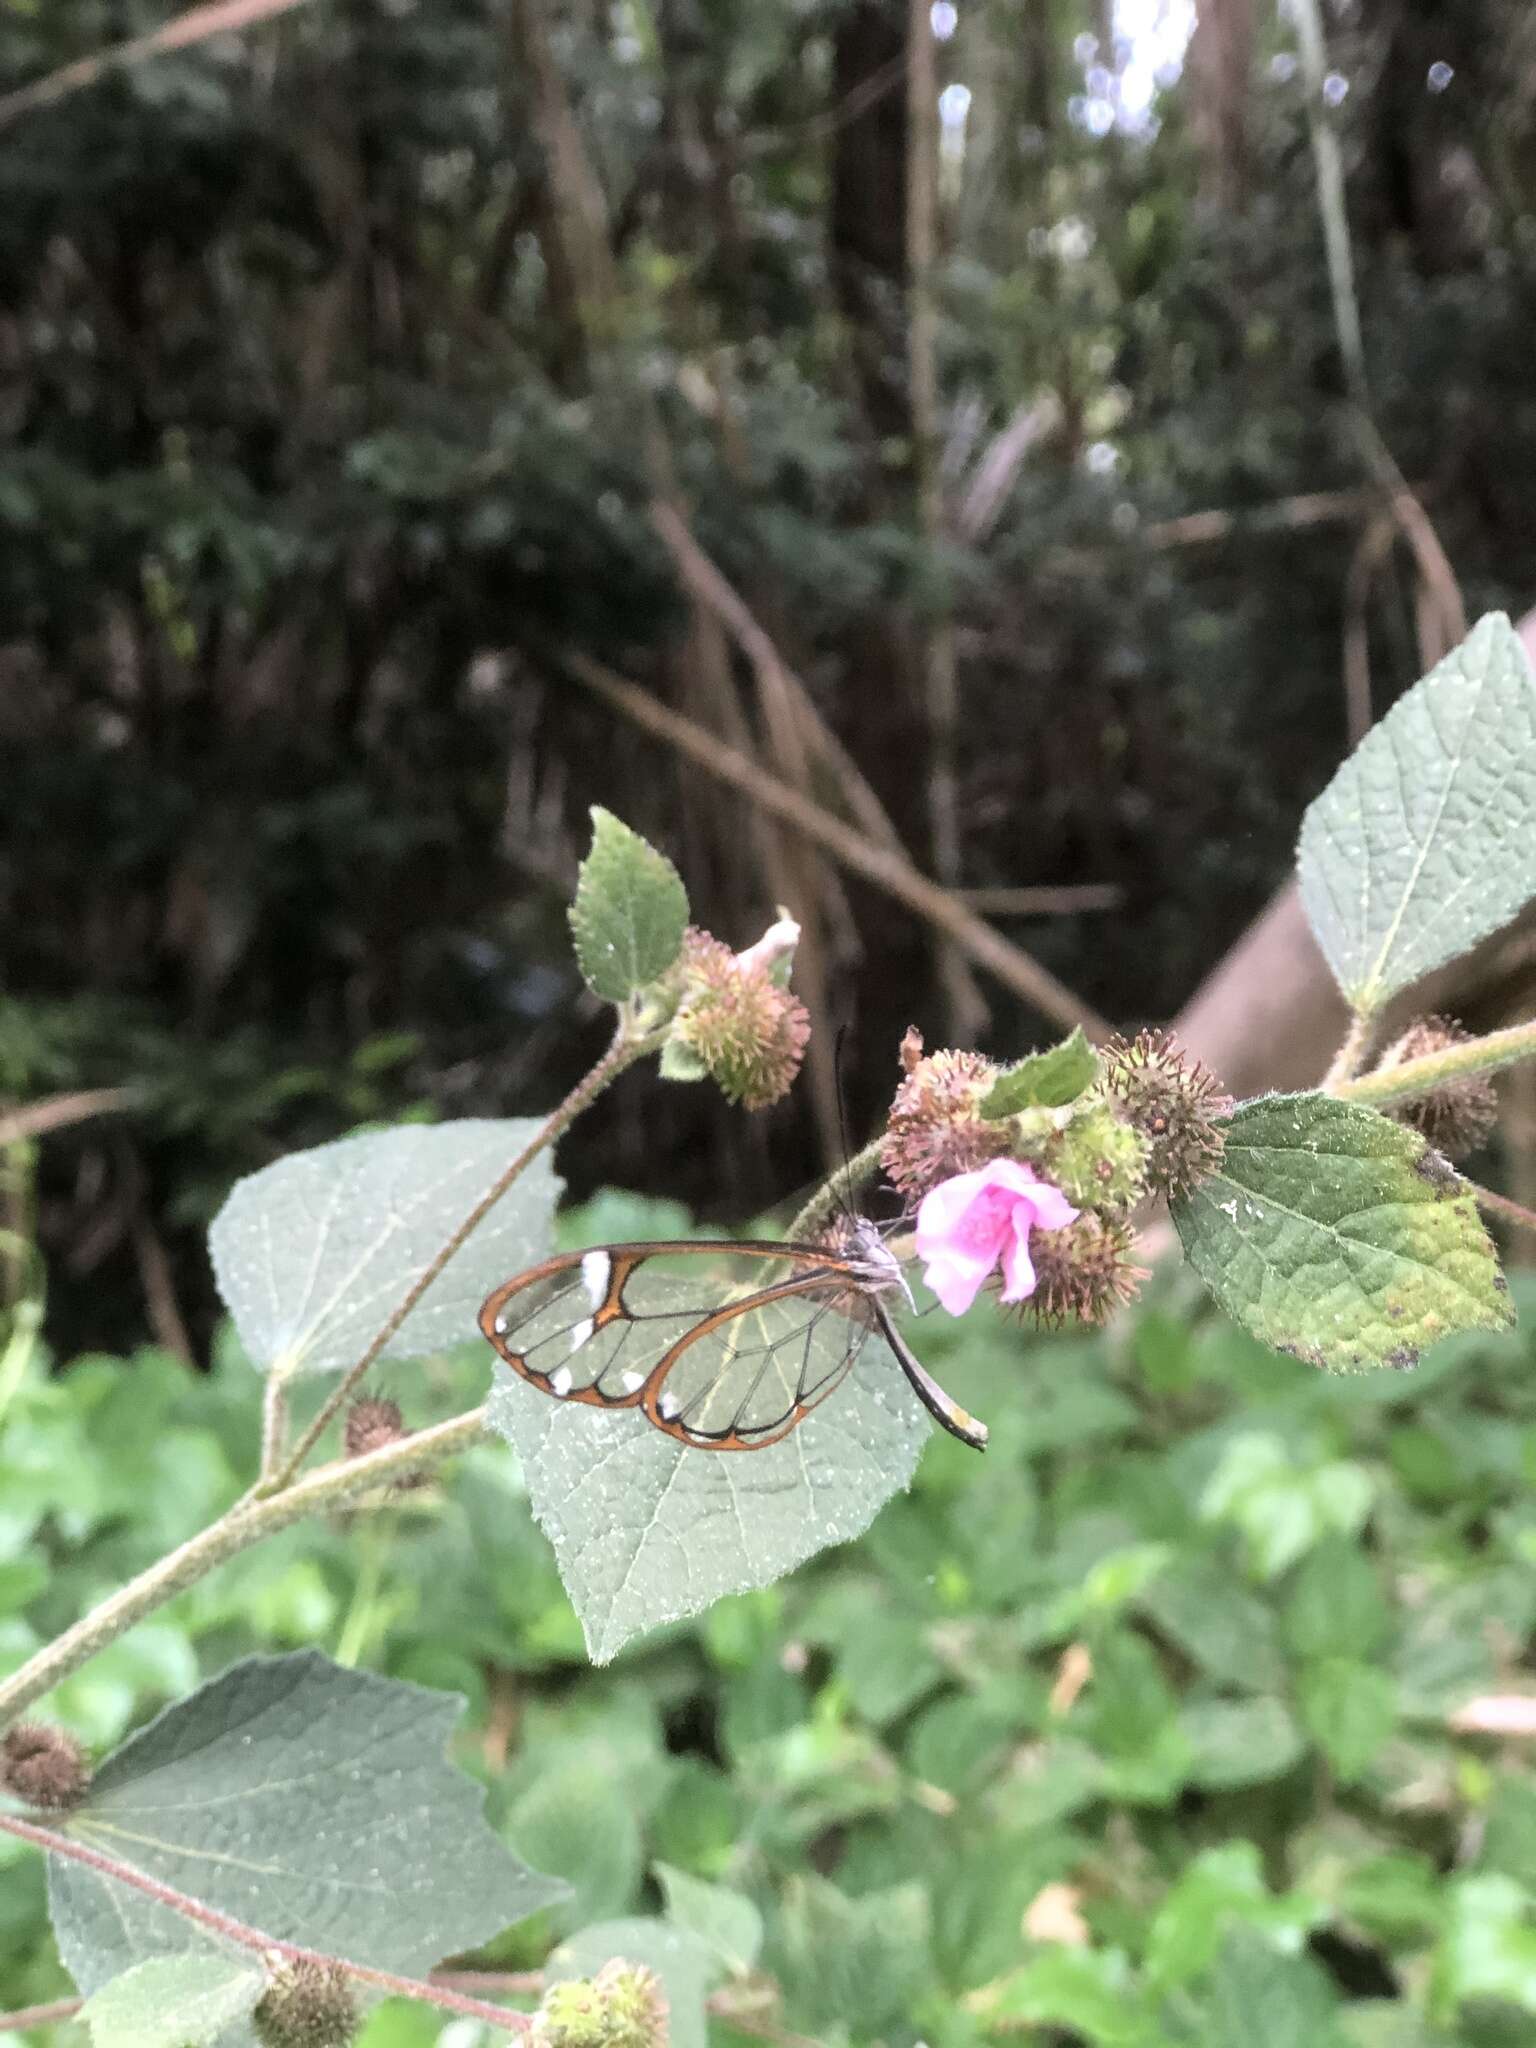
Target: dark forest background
{"x": 385, "y": 388}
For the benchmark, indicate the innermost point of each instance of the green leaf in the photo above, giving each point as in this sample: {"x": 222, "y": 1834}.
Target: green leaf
{"x": 646, "y": 1531}
{"x": 1229, "y": 1634}
{"x": 1044, "y": 1080}
{"x": 727, "y": 1923}
{"x": 630, "y": 913}
{"x": 1284, "y": 1509}
{"x": 306, "y": 1801}
{"x": 1336, "y": 1607}
{"x": 839, "y": 1956}
{"x": 1488, "y": 1948}
{"x": 174, "y": 2001}
{"x": 312, "y": 1253}
{"x": 1264, "y": 1999}
{"x": 886, "y": 1664}
{"x": 1338, "y": 1236}
{"x": 1239, "y": 1742}
{"x": 1350, "y": 1710}
{"x": 576, "y": 1823}
{"x": 1425, "y": 840}
{"x": 1220, "y": 1888}
{"x": 1087, "y": 1991}
{"x": 679, "y": 1958}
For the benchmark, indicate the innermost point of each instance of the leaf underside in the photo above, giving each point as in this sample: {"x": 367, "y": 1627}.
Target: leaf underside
{"x": 1425, "y": 840}
{"x": 312, "y": 1803}
{"x": 312, "y": 1253}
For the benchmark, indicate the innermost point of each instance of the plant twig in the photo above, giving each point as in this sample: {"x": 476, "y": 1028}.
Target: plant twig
{"x": 886, "y": 867}
{"x": 835, "y": 1193}
{"x": 1350, "y": 1053}
{"x": 627, "y": 1047}
{"x": 248, "y": 1522}
{"x": 39, "y": 2015}
{"x": 1501, "y": 1205}
{"x": 274, "y": 1421}
{"x": 707, "y": 584}
{"x": 218, "y": 17}
{"x": 55, "y": 1843}
{"x": 1045, "y": 899}
{"x": 58, "y": 1112}
{"x": 1420, "y": 1077}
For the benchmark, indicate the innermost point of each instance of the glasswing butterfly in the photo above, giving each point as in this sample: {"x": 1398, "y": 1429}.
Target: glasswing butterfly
{"x": 642, "y": 1326}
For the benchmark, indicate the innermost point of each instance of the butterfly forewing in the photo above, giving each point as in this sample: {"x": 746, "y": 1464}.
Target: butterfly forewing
{"x": 723, "y": 1348}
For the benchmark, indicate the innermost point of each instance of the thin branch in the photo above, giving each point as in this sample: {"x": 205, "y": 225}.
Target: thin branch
{"x": 1045, "y": 900}
{"x": 1501, "y": 1205}
{"x": 624, "y": 1051}
{"x": 274, "y": 1422}
{"x": 885, "y": 867}
{"x": 708, "y": 586}
{"x": 39, "y": 2015}
{"x": 58, "y": 1112}
{"x": 219, "y": 17}
{"x": 1414, "y": 1079}
{"x": 1349, "y": 1055}
{"x": 999, "y": 463}
{"x": 1328, "y": 159}
{"x": 242, "y": 1936}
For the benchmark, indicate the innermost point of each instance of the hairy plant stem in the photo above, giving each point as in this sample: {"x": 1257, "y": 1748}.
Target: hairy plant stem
{"x": 1420, "y": 1077}
{"x": 1350, "y": 1053}
{"x": 267, "y": 1946}
{"x": 274, "y": 1420}
{"x": 836, "y": 1193}
{"x": 1501, "y": 1205}
{"x": 248, "y": 1522}
{"x": 630, "y": 1043}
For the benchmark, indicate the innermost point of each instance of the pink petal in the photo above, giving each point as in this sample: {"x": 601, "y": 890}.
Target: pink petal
{"x": 1018, "y": 1268}
{"x": 955, "y": 1279}
{"x": 943, "y": 1209}
{"x": 1052, "y": 1209}
{"x": 1011, "y": 1174}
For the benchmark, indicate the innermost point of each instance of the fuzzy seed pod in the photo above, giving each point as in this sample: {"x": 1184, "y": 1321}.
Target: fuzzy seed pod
{"x": 307, "y": 2005}
{"x": 1099, "y": 1161}
{"x": 623, "y": 2006}
{"x": 1460, "y": 1115}
{"x": 1174, "y": 1103}
{"x": 43, "y": 1766}
{"x": 371, "y": 1424}
{"x": 1083, "y": 1273}
{"x": 744, "y": 1029}
{"x": 936, "y": 1129}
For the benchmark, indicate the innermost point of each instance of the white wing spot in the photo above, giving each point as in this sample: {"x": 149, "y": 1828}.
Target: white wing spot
{"x": 670, "y": 1407}
{"x": 502, "y": 1324}
{"x": 595, "y": 1269}
{"x": 560, "y": 1381}
{"x": 580, "y": 1332}
{"x": 632, "y": 1381}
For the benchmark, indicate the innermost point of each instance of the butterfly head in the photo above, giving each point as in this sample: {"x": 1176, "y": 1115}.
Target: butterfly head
{"x": 877, "y": 1267}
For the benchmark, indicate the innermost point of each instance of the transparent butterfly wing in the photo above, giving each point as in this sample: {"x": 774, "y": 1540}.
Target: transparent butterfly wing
{"x": 722, "y": 1351}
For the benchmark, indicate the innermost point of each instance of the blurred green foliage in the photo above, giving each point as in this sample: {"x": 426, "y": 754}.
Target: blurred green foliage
{"x": 1135, "y": 1731}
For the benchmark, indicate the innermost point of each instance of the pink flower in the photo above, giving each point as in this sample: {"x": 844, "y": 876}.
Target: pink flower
{"x": 975, "y": 1221}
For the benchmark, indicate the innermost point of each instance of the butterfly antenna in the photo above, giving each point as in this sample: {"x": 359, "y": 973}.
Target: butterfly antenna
{"x": 842, "y": 1122}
